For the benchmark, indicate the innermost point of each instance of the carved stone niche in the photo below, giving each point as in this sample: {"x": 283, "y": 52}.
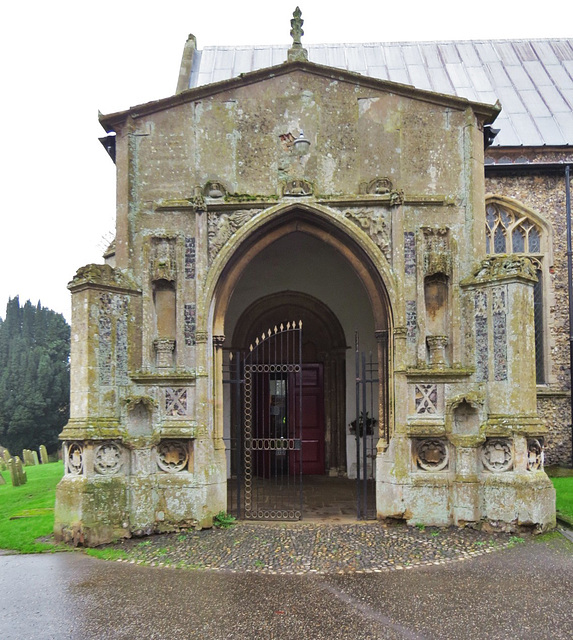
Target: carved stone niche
{"x": 214, "y": 190}
{"x": 378, "y": 186}
{"x": 465, "y": 415}
{"x": 139, "y": 413}
{"x": 437, "y": 252}
{"x": 465, "y": 419}
{"x": 297, "y": 188}
{"x": 163, "y": 264}
{"x": 535, "y": 454}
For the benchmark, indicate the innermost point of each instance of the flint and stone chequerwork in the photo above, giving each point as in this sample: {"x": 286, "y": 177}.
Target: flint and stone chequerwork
{"x": 211, "y": 187}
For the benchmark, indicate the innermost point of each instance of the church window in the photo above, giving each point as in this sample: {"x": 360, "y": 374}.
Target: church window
{"x": 509, "y": 231}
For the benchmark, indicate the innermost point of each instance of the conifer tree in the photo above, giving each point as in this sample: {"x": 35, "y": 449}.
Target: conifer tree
{"x": 34, "y": 376}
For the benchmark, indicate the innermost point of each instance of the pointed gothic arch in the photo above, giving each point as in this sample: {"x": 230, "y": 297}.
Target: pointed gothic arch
{"x": 353, "y": 244}
{"x": 362, "y": 257}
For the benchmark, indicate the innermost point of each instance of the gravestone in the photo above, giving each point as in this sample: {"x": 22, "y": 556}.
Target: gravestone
{"x": 20, "y": 470}
{"x": 35, "y": 456}
{"x": 14, "y": 475}
{"x": 2, "y": 481}
{"x": 44, "y": 454}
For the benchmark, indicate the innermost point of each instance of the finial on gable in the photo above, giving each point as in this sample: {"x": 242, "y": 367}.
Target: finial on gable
{"x": 297, "y": 53}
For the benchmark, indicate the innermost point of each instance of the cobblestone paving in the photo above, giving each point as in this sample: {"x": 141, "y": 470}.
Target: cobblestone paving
{"x": 313, "y": 547}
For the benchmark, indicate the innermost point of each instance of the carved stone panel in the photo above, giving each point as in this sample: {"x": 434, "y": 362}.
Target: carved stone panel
{"x": 374, "y": 224}
{"x": 105, "y": 340}
{"x": 222, "y": 226}
{"x": 190, "y": 257}
{"x": 172, "y": 456}
{"x": 214, "y": 190}
{"x": 481, "y": 332}
{"x": 431, "y": 454}
{"x": 297, "y": 188}
{"x": 409, "y": 253}
{"x": 499, "y": 309}
{"x": 426, "y": 399}
{"x": 378, "y": 187}
{"x": 75, "y": 459}
{"x": 175, "y": 402}
{"x": 141, "y": 462}
{"x": 437, "y": 254}
{"x": 112, "y": 339}
{"x": 108, "y": 459}
{"x": 535, "y": 454}
{"x": 411, "y": 321}
{"x": 497, "y": 455}
{"x": 190, "y": 324}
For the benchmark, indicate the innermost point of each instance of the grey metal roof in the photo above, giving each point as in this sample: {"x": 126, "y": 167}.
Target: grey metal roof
{"x": 532, "y": 79}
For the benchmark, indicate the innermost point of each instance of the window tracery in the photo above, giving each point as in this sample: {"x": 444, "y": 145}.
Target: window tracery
{"x": 511, "y": 231}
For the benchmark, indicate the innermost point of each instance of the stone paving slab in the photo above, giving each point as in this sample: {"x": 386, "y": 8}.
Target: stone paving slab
{"x": 312, "y": 547}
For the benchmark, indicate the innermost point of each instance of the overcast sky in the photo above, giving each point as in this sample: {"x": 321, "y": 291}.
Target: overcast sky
{"x": 64, "y": 60}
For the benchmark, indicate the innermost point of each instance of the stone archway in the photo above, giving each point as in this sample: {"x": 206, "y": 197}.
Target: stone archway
{"x": 244, "y": 272}
{"x": 324, "y": 344}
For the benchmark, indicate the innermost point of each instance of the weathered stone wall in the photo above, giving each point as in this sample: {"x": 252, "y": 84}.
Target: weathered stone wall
{"x": 393, "y": 183}
{"x": 543, "y": 194}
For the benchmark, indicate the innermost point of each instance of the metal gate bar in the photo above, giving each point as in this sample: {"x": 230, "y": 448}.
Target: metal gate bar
{"x": 264, "y": 444}
{"x": 233, "y": 363}
{"x": 366, "y": 433}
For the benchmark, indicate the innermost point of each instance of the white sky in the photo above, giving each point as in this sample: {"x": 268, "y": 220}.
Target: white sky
{"x": 64, "y": 60}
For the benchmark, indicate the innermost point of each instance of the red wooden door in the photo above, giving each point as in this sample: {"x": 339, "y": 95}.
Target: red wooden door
{"x": 312, "y": 390}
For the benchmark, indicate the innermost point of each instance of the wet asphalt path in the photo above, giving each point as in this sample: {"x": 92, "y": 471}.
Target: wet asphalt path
{"x": 521, "y": 592}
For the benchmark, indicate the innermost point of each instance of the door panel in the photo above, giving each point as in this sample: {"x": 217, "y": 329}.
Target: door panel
{"x": 312, "y": 419}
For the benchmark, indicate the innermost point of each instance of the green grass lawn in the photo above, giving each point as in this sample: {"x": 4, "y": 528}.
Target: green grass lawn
{"x": 564, "y": 490}
{"x": 32, "y": 508}
{"x": 562, "y": 479}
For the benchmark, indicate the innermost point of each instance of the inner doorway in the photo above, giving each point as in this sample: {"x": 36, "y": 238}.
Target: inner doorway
{"x": 311, "y": 388}
{"x": 323, "y": 382}
{"x": 285, "y": 403}
{"x": 296, "y": 414}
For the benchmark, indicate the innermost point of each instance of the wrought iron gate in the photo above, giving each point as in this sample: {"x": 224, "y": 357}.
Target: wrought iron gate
{"x": 265, "y": 443}
{"x": 371, "y": 422}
